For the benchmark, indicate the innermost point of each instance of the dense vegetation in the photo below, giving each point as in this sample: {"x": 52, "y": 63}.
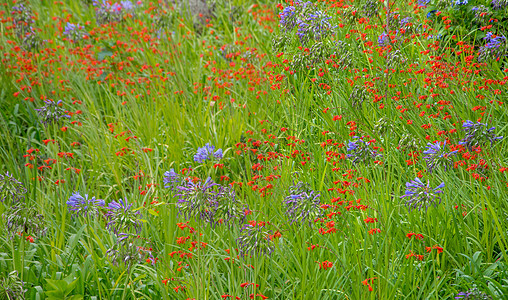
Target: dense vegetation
{"x": 330, "y": 149}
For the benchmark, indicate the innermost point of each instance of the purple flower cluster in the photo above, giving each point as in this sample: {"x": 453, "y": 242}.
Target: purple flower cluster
{"x": 437, "y": 155}
{"x": 73, "y": 32}
{"x": 302, "y": 204}
{"x": 423, "y": 2}
{"x": 210, "y": 202}
{"x": 495, "y": 46}
{"x": 383, "y": 40}
{"x": 254, "y": 240}
{"x": 207, "y": 153}
{"x": 129, "y": 249}
{"x": 22, "y": 218}
{"x": 420, "y": 194}
{"x": 11, "y": 287}
{"x": 121, "y": 218}
{"x": 314, "y": 26}
{"x": 360, "y": 151}
{"x": 11, "y": 189}
{"x": 477, "y": 134}
{"x": 312, "y": 23}
{"x": 499, "y": 4}
{"x": 288, "y": 17}
{"x": 52, "y": 112}
{"x": 461, "y": 2}
{"x": 85, "y": 206}
{"x": 107, "y": 12}
{"x": 473, "y": 294}
{"x": 493, "y": 41}
{"x": 171, "y": 179}
{"x": 22, "y": 18}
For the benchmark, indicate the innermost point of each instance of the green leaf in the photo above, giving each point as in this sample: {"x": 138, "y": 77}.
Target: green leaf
{"x": 153, "y": 212}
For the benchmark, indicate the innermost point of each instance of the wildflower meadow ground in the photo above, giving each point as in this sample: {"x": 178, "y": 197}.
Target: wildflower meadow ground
{"x": 251, "y": 149}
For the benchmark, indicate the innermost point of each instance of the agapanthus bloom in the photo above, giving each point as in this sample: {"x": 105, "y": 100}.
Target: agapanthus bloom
{"x": 473, "y": 294}
{"x": 302, "y": 204}
{"x": 121, "y": 217}
{"x": 360, "y": 150}
{"x": 74, "y": 32}
{"x": 130, "y": 249}
{"x": 207, "y": 153}
{"x": 312, "y": 24}
{"x": 495, "y": 47}
{"x": 24, "y": 219}
{"x": 107, "y": 12}
{"x": 421, "y": 194}
{"x": 255, "y": 239}
{"x": 11, "y": 287}
{"x": 171, "y": 179}
{"x": 11, "y": 189}
{"x": 85, "y": 206}
{"x": 499, "y": 4}
{"x": 209, "y": 201}
{"x": 52, "y": 112}
{"x": 370, "y": 8}
{"x": 383, "y": 40}
{"x": 477, "y": 134}
{"x": 437, "y": 155}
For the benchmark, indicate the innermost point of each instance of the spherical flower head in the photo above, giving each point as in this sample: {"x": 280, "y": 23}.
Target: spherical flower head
{"x": 477, "y": 134}
{"x": 22, "y": 218}
{"x": 437, "y": 155}
{"x": 287, "y": 20}
{"x": 420, "y": 194}
{"x": 255, "y": 240}
{"x": 11, "y": 189}
{"x": 85, "y": 206}
{"x": 121, "y": 218}
{"x": 52, "y": 112}
{"x": 207, "y": 153}
{"x": 171, "y": 179}
{"x": 360, "y": 151}
{"x": 210, "y": 202}
{"x": 11, "y": 287}
{"x": 303, "y": 204}
{"x": 130, "y": 249}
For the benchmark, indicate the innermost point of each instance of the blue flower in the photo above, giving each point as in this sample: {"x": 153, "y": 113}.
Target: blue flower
{"x": 420, "y": 194}
{"x": 210, "y": 202}
{"x": 383, "y": 39}
{"x": 360, "y": 151}
{"x": 170, "y": 179}
{"x": 437, "y": 155}
{"x": 494, "y": 41}
{"x": 429, "y": 14}
{"x": 477, "y": 134}
{"x": 121, "y": 217}
{"x": 303, "y": 204}
{"x": 207, "y": 153}
{"x": 83, "y": 205}
{"x": 499, "y": 4}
